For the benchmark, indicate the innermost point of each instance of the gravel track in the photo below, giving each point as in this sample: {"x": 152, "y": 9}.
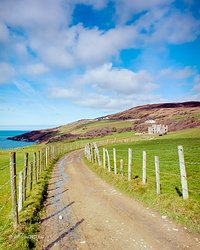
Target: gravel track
{"x": 84, "y": 212}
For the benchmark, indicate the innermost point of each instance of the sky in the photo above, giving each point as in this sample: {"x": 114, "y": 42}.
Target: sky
{"x": 65, "y": 60}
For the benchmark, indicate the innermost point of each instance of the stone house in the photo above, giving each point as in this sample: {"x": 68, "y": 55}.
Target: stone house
{"x": 157, "y": 129}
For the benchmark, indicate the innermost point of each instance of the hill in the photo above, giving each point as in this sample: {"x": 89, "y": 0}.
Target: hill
{"x": 177, "y": 116}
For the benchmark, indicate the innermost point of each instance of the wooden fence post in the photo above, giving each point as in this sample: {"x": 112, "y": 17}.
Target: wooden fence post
{"x": 53, "y": 152}
{"x": 47, "y": 160}
{"x": 144, "y": 160}
{"x": 14, "y": 188}
{"x": 35, "y": 166}
{"x": 39, "y": 164}
{"x": 42, "y": 160}
{"x": 104, "y": 158}
{"x": 157, "y": 170}
{"x": 183, "y": 173}
{"x": 87, "y": 152}
{"x": 121, "y": 167}
{"x": 20, "y": 200}
{"x": 97, "y": 153}
{"x": 115, "y": 160}
{"x": 129, "y": 163}
{"x": 31, "y": 176}
{"x": 91, "y": 153}
{"x": 108, "y": 160}
{"x": 25, "y": 174}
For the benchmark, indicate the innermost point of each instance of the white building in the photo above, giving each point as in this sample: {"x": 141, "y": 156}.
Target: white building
{"x": 150, "y": 122}
{"x": 157, "y": 129}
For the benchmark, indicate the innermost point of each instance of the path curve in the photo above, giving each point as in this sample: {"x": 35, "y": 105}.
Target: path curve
{"x": 84, "y": 212}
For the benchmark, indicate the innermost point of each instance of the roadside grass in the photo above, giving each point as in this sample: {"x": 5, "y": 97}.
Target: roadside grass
{"x": 170, "y": 201}
{"x": 25, "y": 236}
{"x": 9, "y": 239}
{"x": 5, "y": 192}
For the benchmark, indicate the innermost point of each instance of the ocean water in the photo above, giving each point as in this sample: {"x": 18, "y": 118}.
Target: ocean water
{"x": 9, "y": 144}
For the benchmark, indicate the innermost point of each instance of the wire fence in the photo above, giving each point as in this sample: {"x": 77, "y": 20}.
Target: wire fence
{"x": 19, "y": 171}
{"x": 175, "y": 172}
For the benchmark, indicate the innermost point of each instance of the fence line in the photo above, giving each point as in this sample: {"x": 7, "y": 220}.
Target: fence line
{"x": 159, "y": 175}
{"x": 22, "y": 183}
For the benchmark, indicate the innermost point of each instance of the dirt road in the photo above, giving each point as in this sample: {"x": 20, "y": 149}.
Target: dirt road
{"x": 84, "y": 212}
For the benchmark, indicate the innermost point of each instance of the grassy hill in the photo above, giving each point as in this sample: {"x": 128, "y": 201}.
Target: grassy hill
{"x": 177, "y": 116}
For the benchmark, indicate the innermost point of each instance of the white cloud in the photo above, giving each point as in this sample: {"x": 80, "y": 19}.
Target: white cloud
{"x": 176, "y": 28}
{"x": 109, "y": 89}
{"x": 126, "y": 9}
{"x": 36, "y": 14}
{"x": 94, "y": 46}
{"x": 179, "y": 74}
{"x": 25, "y": 87}
{"x": 56, "y": 56}
{"x": 57, "y": 44}
{"x": 58, "y": 92}
{"x": 108, "y": 103}
{"x": 167, "y": 25}
{"x": 119, "y": 80}
{"x": 4, "y": 35}
{"x": 80, "y": 46}
{"x": 36, "y": 69}
{"x": 6, "y": 72}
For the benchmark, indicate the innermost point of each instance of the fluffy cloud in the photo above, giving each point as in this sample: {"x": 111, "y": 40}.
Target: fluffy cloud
{"x": 126, "y": 9}
{"x": 178, "y": 74}
{"x": 95, "y": 46}
{"x": 36, "y": 69}
{"x": 119, "y": 80}
{"x": 167, "y": 26}
{"x": 176, "y": 28}
{"x": 58, "y": 92}
{"x": 58, "y": 44}
{"x": 6, "y": 72}
{"x": 108, "y": 103}
{"x": 108, "y": 88}
{"x": 4, "y": 34}
{"x": 35, "y": 14}
{"x": 43, "y": 31}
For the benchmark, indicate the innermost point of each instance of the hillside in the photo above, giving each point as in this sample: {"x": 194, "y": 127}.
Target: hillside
{"x": 177, "y": 116}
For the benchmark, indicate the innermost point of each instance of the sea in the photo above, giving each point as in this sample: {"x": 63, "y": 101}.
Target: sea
{"x": 9, "y": 144}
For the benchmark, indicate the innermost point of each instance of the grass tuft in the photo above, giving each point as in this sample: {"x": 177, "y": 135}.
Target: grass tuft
{"x": 25, "y": 236}
{"x": 184, "y": 212}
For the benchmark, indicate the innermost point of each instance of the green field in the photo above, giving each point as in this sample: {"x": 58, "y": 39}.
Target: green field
{"x": 170, "y": 200}
{"x": 87, "y": 126}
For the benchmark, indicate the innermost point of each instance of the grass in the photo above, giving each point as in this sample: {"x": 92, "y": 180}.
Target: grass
{"x": 29, "y": 217}
{"x": 186, "y": 116}
{"x": 85, "y": 127}
{"x": 5, "y": 192}
{"x": 25, "y": 236}
{"x": 196, "y": 116}
{"x": 170, "y": 201}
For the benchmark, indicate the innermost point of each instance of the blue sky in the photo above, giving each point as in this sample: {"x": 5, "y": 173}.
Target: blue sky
{"x": 64, "y": 60}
